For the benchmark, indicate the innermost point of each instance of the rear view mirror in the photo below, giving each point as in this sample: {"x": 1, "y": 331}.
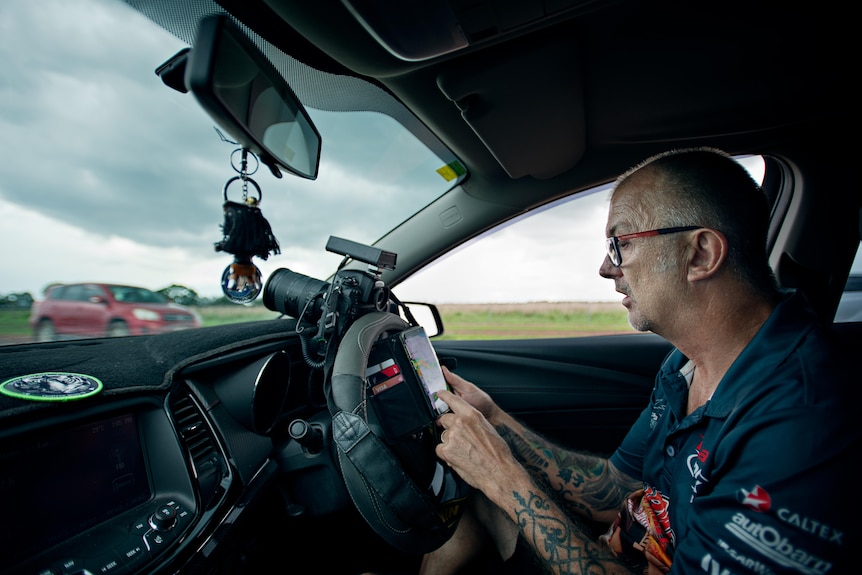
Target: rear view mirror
{"x": 245, "y": 94}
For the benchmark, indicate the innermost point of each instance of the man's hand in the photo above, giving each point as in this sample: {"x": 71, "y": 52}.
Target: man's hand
{"x": 472, "y": 447}
{"x": 471, "y": 394}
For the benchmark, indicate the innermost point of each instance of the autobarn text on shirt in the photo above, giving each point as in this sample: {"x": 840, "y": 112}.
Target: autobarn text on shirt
{"x": 770, "y": 543}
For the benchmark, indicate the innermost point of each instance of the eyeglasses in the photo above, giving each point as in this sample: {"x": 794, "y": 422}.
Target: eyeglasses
{"x": 614, "y": 242}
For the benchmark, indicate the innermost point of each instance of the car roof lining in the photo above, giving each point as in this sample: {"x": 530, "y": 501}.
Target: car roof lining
{"x": 613, "y": 90}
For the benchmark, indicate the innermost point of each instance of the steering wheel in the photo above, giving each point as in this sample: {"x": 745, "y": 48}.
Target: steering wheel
{"x": 404, "y": 493}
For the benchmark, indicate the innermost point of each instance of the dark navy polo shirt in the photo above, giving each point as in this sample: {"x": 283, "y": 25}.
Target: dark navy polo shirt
{"x": 760, "y": 479}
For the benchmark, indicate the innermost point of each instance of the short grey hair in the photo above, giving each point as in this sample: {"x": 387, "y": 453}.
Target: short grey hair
{"x": 705, "y": 186}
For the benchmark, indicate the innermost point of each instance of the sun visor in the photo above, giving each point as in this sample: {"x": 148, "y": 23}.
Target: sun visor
{"x": 535, "y": 97}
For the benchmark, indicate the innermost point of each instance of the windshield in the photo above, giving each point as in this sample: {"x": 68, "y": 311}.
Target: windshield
{"x": 110, "y": 176}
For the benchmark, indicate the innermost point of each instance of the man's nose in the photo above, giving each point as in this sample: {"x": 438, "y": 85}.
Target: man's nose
{"x": 608, "y": 270}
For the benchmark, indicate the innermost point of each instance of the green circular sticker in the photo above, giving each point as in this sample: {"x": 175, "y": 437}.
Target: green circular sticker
{"x": 51, "y": 386}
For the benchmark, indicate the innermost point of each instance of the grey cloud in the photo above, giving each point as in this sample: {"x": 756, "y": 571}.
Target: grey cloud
{"x": 96, "y": 140}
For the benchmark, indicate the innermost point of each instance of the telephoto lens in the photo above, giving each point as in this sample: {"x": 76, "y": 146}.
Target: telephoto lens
{"x": 289, "y": 292}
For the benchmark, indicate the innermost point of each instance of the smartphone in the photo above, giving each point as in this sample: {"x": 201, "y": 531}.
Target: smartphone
{"x": 426, "y": 365}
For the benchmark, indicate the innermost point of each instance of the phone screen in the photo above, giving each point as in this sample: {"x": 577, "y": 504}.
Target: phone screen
{"x": 426, "y": 365}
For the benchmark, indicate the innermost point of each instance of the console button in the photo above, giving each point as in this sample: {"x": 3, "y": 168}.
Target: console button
{"x": 71, "y": 565}
{"x": 105, "y": 564}
{"x": 155, "y": 541}
{"x": 164, "y": 518}
{"x": 133, "y": 553}
{"x": 140, "y": 527}
{"x": 182, "y": 514}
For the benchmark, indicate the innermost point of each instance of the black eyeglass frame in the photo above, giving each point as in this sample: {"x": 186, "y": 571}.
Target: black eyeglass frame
{"x": 613, "y": 242}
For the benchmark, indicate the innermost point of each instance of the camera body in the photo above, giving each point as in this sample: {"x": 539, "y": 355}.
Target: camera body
{"x": 332, "y": 306}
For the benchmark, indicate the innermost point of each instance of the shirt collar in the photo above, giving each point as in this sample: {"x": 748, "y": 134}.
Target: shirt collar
{"x": 778, "y": 337}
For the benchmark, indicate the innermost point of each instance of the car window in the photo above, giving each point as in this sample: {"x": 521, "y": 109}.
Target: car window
{"x": 850, "y": 305}
{"x": 136, "y": 295}
{"x": 90, "y": 291}
{"x": 60, "y": 293}
{"x": 532, "y": 277}
{"x": 76, "y": 293}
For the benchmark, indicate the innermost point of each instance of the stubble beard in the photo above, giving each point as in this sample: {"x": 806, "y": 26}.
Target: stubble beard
{"x": 640, "y": 323}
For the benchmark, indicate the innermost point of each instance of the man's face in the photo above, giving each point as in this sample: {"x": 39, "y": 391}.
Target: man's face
{"x": 649, "y": 273}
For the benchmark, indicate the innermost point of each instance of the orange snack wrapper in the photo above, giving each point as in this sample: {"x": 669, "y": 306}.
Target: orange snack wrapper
{"x": 641, "y": 536}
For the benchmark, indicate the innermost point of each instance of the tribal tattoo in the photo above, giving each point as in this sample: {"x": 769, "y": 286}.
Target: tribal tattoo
{"x": 564, "y": 546}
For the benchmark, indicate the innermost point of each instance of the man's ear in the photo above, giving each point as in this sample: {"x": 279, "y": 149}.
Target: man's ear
{"x": 708, "y": 252}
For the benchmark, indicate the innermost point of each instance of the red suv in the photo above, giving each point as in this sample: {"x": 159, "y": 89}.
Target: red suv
{"x": 94, "y": 310}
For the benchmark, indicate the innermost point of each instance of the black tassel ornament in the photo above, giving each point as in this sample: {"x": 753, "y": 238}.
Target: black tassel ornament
{"x": 246, "y": 234}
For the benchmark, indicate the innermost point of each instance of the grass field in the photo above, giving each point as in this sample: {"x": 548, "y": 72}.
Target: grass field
{"x": 461, "y": 321}
{"x": 532, "y": 320}
{"x": 222, "y": 314}
{"x": 13, "y": 322}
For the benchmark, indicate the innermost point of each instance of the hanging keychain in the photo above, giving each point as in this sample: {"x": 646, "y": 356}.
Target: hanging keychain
{"x": 246, "y": 234}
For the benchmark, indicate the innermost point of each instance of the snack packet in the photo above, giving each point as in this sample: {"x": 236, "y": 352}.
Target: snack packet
{"x": 641, "y": 536}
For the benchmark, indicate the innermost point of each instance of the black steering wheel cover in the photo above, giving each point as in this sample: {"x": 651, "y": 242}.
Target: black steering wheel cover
{"x": 406, "y": 515}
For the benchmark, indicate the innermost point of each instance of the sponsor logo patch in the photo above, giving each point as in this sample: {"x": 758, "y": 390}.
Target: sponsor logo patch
{"x": 695, "y": 463}
{"x": 657, "y": 412}
{"x": 811, "y": 526}
{"x": 757, "y": 499}
{"x": 749, "y": 563}
{"x": 768, "y": 542}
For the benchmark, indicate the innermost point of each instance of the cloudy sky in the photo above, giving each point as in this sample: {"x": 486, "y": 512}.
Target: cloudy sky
{"x": 108, "y": 175}
{"x": 76, "y": 151}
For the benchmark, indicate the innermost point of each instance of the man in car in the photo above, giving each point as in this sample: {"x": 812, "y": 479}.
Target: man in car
{"x": 741, "y": 461}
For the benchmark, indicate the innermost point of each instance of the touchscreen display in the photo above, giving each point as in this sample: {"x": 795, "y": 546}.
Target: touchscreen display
{"x": 426, "y": 365}
{"x": 77, "y": 477}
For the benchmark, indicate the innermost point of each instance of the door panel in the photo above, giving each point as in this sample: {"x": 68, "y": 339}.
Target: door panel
{"x": 582, "y": 392}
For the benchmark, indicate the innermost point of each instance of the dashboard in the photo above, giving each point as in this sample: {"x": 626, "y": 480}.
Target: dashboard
{"x": 156, "y": 475}
{"x": 106, "y": 494}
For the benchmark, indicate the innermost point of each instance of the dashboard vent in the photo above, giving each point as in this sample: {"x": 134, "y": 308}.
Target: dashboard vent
{"x": 200, "y": 444}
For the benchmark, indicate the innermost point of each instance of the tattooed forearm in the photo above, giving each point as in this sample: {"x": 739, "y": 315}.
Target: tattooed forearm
{"x": 600, "y": 485}
{"x": 587, "y": 483}
{"x": 563, "y": 545}
{"x": 529, "y": 448}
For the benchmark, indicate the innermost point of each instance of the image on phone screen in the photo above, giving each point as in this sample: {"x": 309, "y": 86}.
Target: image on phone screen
{"x": 426, "y": 365}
